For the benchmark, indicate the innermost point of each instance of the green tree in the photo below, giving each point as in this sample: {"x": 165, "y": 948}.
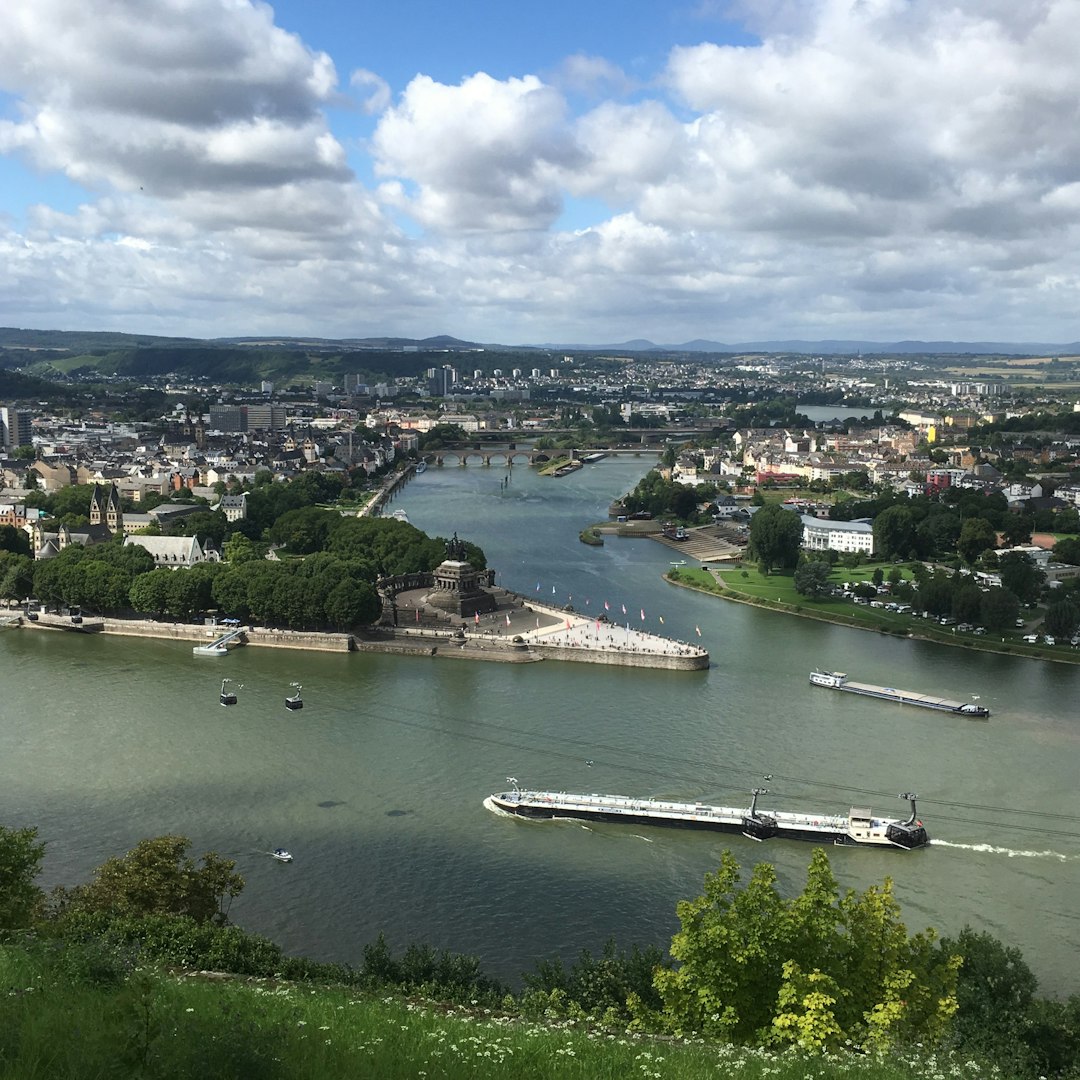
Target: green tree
{"x": 894, "y": 533}
{"x": 1017, "y": 528}
{"x": 775, "y": 538}
{"x": 818, "y": 970}
{"x": 999, "y": 609}
{"x": 1067, "y": 550}
{"x": 14, "y": 540}
{"x": 351, "y": 603}
{"x": 812, "y": 578}
{"x": 976, "y": 535}
{"x": 184, "y": 594}
{"x": 158, "y": 877}
{"x": 1062, "y": 618}
{"x": 20, "y": 862}
{"x": 967, "y": 602}
{"x": 994, "y": 992}
{"x": 1020, "y": 575}
{"x": 16, "y": 575}
{"x": 150, "y": 592}
{"x": 239, "y": 549}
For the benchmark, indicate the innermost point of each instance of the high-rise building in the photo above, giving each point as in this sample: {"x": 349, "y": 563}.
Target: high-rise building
{"x": 441, "y": 380}
{"x": 264, "y": 417}
{"x": 226, "y": 418}
{"x": 15, "y": 427}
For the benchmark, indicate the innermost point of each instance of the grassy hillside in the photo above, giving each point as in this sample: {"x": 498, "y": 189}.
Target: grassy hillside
{"x": 68, "y": 1014}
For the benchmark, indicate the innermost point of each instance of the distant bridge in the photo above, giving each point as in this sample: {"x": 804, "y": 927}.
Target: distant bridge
{"x": 506, "y": 456}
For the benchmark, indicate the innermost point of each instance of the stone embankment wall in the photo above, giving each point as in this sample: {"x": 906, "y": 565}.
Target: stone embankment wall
{"x": 298, "y": 639}
{"x": 203, "y": 635}
{"x": 696, "y": 661}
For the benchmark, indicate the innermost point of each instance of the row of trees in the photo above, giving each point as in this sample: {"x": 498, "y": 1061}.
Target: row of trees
{"x": 330, "y": 582}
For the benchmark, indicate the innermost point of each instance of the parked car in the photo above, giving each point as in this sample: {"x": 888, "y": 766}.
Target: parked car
{"x": 1049, "y": 639}
{"x": 1031, "y": 639}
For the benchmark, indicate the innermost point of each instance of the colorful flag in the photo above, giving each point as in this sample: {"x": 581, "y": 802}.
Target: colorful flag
{"x": 567, "y": 624}
{"x": 597, "y": 624}
{"x": 538, "y": 586}
{"x": 642, "y": 614}
{"x": 606, "y": 607}
{"x": 698, "y": 629}
{"x": 508, "y": 619}
{"x": 476, "y": 616}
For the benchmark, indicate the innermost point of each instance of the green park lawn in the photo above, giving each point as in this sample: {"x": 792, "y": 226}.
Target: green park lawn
{"x": 777, "y": 591}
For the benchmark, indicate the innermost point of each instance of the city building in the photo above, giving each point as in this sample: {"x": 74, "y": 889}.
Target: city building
{"x": 846, "y": 536}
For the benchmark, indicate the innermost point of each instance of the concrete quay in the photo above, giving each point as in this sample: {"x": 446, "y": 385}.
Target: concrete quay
{"x": 525, "y": 632}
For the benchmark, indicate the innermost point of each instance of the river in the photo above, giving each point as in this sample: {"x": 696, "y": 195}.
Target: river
{"x": 377, "y": 785}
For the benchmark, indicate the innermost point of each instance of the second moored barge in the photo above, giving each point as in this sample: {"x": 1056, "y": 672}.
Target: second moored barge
{"x": 838, "y": 680}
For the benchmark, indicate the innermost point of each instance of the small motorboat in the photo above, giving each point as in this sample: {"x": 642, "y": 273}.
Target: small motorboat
{"x": 295, "y": 701}
{"x": 227, "y": 697}
{"x": 282, "y": 855}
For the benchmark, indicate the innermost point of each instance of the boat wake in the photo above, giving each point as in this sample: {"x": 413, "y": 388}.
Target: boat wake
{"x": 1012, "y": 853}
{"x": 645, "y": 838}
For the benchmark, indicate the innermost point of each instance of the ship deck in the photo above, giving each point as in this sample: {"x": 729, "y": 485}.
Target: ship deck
{"x": 906, "y": 697}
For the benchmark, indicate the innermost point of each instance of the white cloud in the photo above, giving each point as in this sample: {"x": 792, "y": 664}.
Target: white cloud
{"x": 378, "y": 89}
{"x": 593, "y": 76}
{"x": 873, "y": 168}
{"x": 482, "y": 155}
{"x": 206, "y": 93}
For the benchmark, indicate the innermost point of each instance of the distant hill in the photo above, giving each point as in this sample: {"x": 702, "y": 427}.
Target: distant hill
{"x": 834, "y": 347}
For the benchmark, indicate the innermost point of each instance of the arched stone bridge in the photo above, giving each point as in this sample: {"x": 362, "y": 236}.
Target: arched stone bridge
{"x": 475, "y": 456}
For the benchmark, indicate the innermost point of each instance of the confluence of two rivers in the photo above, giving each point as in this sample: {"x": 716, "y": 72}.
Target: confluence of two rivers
{"x": 377, "y": 785}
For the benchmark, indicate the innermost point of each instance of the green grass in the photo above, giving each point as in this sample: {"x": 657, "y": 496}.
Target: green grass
{"x": 776, "y": 591}
{"x": 151, "y": 1025}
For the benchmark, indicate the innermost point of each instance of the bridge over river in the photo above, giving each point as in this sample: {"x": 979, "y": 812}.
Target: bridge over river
{"x": 476, "y": 455}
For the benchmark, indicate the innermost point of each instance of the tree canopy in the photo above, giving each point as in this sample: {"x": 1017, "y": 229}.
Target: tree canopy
{"x": 775, "y": 538}
{"x": 20, "y": 860}
{"x": 816, "y": 970}
{"x": 158, "y": 877}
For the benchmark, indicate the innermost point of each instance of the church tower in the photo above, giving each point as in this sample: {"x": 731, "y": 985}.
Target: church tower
{"x": 97, "y": 507}
{"x": 114, "y": 515}
{"x": 105, "y": 509}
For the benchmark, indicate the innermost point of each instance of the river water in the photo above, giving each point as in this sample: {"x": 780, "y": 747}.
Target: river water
{"x": 377, "y": 785}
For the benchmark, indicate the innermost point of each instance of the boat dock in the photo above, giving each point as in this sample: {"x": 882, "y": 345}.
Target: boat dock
{"x": 838, "y": 680}
{"x": 220, "y": 647}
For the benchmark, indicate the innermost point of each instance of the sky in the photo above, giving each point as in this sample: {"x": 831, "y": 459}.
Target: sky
{"x": 582, "y": 172}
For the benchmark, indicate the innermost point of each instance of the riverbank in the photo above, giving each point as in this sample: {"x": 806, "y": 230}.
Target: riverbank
{"x": 877, "y": 621}
{"x": 557, "y": 635}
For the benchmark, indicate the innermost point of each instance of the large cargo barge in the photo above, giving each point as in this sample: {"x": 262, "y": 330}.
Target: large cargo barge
{"x": 859, "y": 826}
{"x": 838, "y": 680}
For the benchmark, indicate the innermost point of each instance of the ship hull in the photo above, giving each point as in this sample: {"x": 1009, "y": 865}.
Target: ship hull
{"x": 822, "y": 830}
